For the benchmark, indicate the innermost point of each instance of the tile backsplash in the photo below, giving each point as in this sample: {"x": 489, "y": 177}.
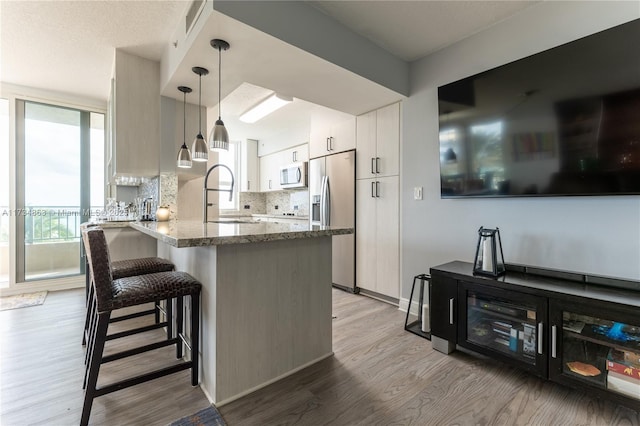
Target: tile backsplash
{"x": 288, "y": 201}
{"x": 257, "y": 202}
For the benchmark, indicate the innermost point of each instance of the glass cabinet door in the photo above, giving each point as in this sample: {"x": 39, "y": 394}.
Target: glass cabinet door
{"x": 504, "y": 324}
{"x": 597, "y": 348}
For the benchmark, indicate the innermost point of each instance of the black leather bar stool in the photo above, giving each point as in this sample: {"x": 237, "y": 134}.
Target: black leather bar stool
{"x": 129, "y": 268}
{"x": 109, "y": 295}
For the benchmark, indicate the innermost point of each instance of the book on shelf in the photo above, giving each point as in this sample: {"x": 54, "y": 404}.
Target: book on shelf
{"x": 623, "y": 384}
{"x": 631, "y": 358}
{"x": 616, "y": 362}
{"x": 575, "y": 326}
{"x": 501, "y": 341}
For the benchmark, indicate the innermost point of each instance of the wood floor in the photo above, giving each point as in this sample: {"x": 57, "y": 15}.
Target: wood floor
{"x": 380, "y": 375}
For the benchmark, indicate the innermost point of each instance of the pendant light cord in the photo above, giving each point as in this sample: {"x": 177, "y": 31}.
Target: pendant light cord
{"x": 200, "y": 104}
{"x": 219, "y": 81}
{"x": 184, "y": 119}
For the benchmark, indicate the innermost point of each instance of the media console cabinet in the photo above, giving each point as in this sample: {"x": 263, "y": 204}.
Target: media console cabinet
{"x": 579, "y": 330}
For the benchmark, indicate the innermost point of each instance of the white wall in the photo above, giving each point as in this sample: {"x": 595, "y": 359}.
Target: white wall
{"x": 597, "y": 235}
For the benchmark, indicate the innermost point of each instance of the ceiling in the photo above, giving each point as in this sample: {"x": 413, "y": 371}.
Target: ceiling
{"x": 413, "y": 29}
{"x": 67, "y": 46}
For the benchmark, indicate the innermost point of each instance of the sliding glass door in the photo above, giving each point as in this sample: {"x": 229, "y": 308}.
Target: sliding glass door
{"x": 56, "y": 186}
{"x": 5, "y": 216}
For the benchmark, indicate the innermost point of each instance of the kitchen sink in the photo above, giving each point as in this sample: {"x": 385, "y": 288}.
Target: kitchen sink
{"x": 233, "y": 221}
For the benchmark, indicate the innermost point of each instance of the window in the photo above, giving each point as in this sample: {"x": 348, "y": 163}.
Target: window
{"x": 230, "y": 159}
{"x": 60, "y": 160}
{"x": 4, "y": 192}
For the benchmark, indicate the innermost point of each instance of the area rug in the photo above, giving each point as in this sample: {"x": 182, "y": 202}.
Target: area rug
{"x": 206, "y": 417}
{"x": 22, "y": 300}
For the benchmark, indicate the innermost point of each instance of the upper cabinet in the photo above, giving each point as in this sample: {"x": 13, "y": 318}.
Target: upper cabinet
{"x": 249, "y": 167}
{"x": 269, "y": 173}
{"x": 135, "y": 116}
{"x": 172, "y": 134}
{"x": 331, "y": 136}
{"x": 270, "y": 165}
{"x": 297, "y": 154}
{"x": 378, "y": 143}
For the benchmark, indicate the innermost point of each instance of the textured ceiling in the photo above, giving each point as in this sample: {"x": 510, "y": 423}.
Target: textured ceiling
{"x": 413, "y": 29}
{"x": 67, "y": 46}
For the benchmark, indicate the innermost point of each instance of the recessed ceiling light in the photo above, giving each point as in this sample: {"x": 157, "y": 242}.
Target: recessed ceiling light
{"x": 265, "y": 107}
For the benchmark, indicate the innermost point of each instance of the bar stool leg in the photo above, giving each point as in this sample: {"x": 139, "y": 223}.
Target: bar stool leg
{"x": 195, "y": 337}
{"x": 179, "y": 325}
{"x": 94, "y": 365}
{"x": 87, "y": 319}
{"x": 169, "y": 318}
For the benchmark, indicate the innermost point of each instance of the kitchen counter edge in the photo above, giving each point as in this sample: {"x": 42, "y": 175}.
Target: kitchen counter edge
{"x": 148, "y": 228}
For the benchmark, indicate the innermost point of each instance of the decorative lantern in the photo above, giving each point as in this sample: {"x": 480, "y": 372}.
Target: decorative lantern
{"x": 162, "y": 214}
{"x": 489, "y": 260}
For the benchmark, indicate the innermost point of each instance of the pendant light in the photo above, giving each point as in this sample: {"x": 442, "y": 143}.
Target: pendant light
{"x": 199, "y": 149}
{"x": 184, "y": 156}
{"x": 219, "y": 138}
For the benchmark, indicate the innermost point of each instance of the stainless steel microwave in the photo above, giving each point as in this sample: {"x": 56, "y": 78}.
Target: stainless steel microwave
{"x": 294, "y": 175}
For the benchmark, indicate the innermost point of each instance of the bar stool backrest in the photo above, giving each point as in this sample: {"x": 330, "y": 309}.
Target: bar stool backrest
{"x": 99, "y": 265}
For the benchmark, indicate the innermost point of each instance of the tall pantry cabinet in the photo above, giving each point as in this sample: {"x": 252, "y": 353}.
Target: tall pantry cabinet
{"x": 378, "y": 202}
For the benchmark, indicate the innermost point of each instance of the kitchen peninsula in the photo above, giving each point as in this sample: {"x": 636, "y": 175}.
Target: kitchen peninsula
{"x": 266, "y": 297}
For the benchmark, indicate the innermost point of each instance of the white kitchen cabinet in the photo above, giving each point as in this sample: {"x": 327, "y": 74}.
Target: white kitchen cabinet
{"x": 249, "y": 166}
{"x": 378, "y": 235}
{"x": 270, "y": 165}
{"x": 135, "y": 122}
{"x": 297, "y": 154}
{"x": 330, "y": 137}
{"x": 269, "y": 173}
{"x": 378, "y": 142}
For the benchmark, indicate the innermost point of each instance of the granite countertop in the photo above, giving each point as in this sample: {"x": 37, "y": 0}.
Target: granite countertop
{"x": 261, "y": 215}
{"x": 195, "y": 234}
{"x": 107, "y": 224}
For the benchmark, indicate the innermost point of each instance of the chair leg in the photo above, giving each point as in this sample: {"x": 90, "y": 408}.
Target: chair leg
{"x": 91, "y": 331}
{"x": 169, "y": 317}
{"x": 95, "y": 360}
{"x": 90, "y": 347}
{"x": 156, "y": 308}
{"x": 195, "y": 337}
{"x": 179, "y": 325}
{"x": 87, "y": 318}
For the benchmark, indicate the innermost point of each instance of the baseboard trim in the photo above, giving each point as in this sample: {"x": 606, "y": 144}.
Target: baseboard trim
{"x": 265, "y": 384}
{"x": 56, "y": 284}
{"x": 381, "y": 297}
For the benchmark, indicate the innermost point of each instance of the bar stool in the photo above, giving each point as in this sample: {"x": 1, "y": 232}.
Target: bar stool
{"x": 128, "y": 268}
{"x": 109, "y": 295}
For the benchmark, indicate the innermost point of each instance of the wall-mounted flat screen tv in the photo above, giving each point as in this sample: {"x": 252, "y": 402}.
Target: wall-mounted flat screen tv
{"x": 565, "y": 121}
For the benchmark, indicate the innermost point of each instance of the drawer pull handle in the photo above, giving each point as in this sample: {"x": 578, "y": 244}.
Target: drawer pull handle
{"x": 451, "y": 301}
{"x": 540, "y": 330}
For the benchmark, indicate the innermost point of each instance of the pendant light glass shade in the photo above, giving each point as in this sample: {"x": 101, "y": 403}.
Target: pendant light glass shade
{"x": 219, "y": 138}
{"x": 184, "y": 156}
{"x": 199, "y": 148}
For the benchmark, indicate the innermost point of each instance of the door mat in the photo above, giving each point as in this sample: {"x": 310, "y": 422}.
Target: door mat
{"x": 22, "y": 300}
{"x": 206, "y": 417}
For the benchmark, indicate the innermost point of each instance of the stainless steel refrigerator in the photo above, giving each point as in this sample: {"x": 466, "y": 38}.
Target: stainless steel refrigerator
{"x": 332, "y": 201}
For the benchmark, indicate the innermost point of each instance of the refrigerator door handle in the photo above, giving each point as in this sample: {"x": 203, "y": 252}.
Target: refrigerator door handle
{"x": 373, "y": 167}
{"x": 373, "y": 190}
{"x": 377, "y": 189}
{"x": 377, "y": 164}
{"x": 322, "y": 200}
{"x": 327, "y": 201}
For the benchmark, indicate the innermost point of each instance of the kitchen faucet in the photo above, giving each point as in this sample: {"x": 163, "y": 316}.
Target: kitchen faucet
{"x": 207, "y": 189}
